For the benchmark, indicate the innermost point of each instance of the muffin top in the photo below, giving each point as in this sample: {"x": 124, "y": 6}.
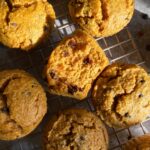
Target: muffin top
{"x": 121, "y": 95}
{"x": 138, "y": 143}
{"x": 101, "y": 17}
{"x": 24, "y": 24}
{"x": 22, "y": 104}
{"x": 76, "y": 129}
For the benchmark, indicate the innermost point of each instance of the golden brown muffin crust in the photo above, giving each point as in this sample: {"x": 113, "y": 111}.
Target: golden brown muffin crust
{"x": 74, "y": 64}
{"x": 22, "y": 104}
{"x": 101, "y": 17}
{"x": 121, "y": 95}
{"x": 76, "y": 129}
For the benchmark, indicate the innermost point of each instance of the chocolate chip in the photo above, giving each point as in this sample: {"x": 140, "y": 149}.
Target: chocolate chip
{"x": 127, "y": 115}
{"x": 72, "y": 147}
{"x": 87, "y": 60}
{"x": 111, "y": 78}
{"x": 145, "y": 16}
{"x": 5, "y": 110}
{"x": 141, "y": 95}
{"x": 14, "y": 24}
{"x": 53, "y": 75}
{"x": 63, "y": 80}
{"x": 34, "y": 85}
{"x": 72, "y": 44}
{"x": 72, "y": 89}
{"x": 65, "y": 54}
{"x": 51, "y": 87}
{"x": 142, "y": 81}
{"x": 107, "y": 90}
{"x": 147, "y": 47}
{"x": 82, "y": 138}
{"x": 81, "y": 89}
{"x": 126, "y": 18}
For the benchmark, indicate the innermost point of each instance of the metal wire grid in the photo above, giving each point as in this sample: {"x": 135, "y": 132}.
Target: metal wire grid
{"x": 118, "y": 48}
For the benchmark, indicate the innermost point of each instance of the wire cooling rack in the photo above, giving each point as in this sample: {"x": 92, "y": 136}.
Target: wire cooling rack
{"x": 118, "y": 48}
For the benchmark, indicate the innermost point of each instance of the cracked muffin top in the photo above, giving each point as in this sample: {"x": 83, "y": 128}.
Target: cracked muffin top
{"x": 75, "y": 129}
{"x": 74, "y": 64}
{"x": 25, "y": 24}
{"x": 101, "y": 17}
{"x": 138, "y": 143}
{"x": 121, "y": 95}
{"x": 22, "y": 104}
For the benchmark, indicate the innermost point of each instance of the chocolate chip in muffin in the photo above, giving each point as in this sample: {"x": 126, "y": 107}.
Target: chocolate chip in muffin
{"x": 51, "y": 87}
{"x": 65, "y": 53}
{"x": 73, "y": 44}
{"x": 72, "y": 89}
{"x": 5, "y": 110}
{"x": 108, "y": 90}
{"x": 142, "y": 81}
{"x": 14, "y": 24}
{"x": 87, "y": 61}
{"x": 112, "y": 78}
{"x": 141, "y": 95}
{"x": 53, "y": 74}
{"x": 81, "y": 89}
{"x": 127, "y": 115}
{"x": 82, "y": 138}
{"x": 34, "y": 85}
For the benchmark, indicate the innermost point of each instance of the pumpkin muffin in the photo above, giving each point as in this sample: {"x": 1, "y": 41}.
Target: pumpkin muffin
{"x": 25, "y": 24}
{"x": 74, "y": 64}
{"x": 22, "y": 104}
{"x": 121, "y": 95}
{"x": 75, "y": 129}
{"x": 101, "y": 17}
